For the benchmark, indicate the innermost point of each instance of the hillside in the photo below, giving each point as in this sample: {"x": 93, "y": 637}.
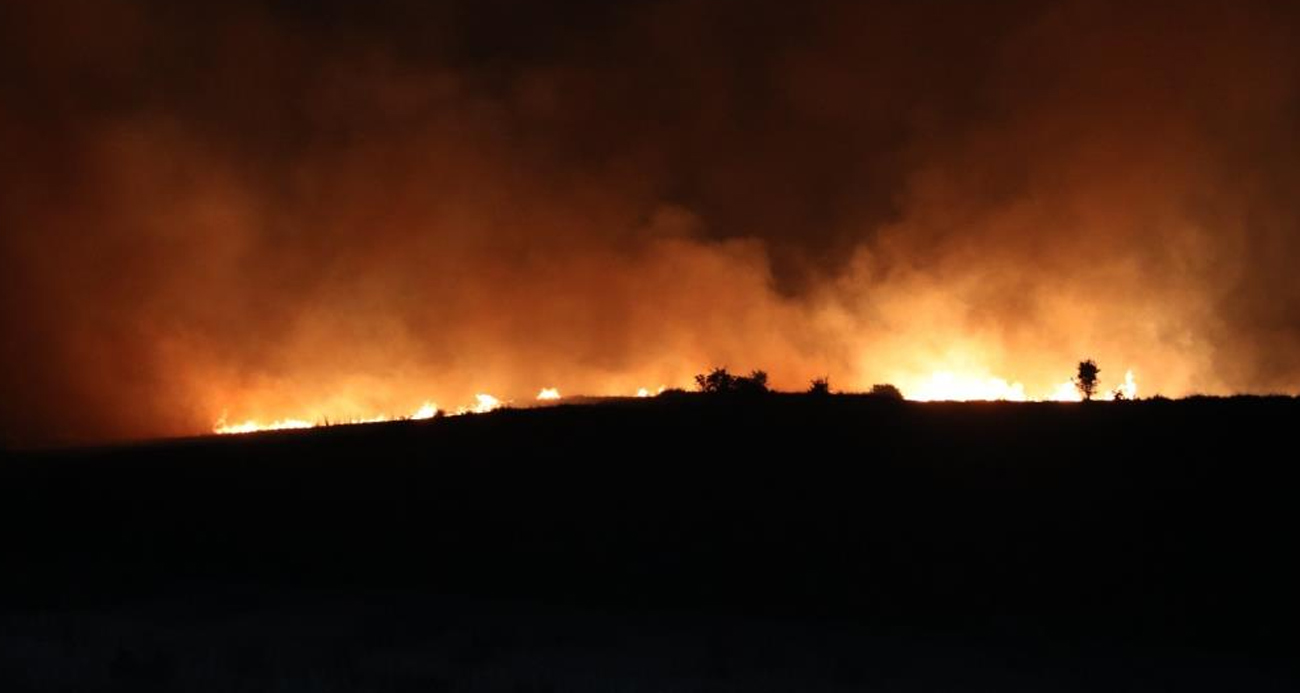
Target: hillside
{"x": 1154, "y": 524}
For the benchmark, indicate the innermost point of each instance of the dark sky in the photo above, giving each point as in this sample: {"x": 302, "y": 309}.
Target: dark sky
{"x": 275, "y": 209}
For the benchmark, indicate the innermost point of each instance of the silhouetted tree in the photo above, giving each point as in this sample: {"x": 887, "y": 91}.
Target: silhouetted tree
{"x": 753, "y": 384}
{"x": 717, "y": 381}
{"x": 820, "y": 386}
{"x": 886, "y": 391}
{"x": 1086, "y": 380}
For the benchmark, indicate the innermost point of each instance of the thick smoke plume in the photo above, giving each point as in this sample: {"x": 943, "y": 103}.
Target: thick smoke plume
{"x": 328, "y": 209}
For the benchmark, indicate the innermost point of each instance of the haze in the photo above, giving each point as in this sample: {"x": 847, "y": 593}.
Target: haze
{"x": 288, "y": 209}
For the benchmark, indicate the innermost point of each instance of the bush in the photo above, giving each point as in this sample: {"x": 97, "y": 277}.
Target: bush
{"x": 886, "y": 391}
{"x": 716, "y": 381}
{"x": 819, "y": 386}
{"x": 753, "y": 384}
{"x": 719, "y": 381}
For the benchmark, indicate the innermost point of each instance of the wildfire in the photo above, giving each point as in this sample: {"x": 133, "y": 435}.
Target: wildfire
{"x": 956, "y": 387}
{"x": 941, "y": 385}
{"x": 1065, "y": 392}
{"x": 1129, "y": 389}
{"x": 483, "y": 403}
{"x": 952, "y": 387}
{"x": 1125, "y": 390}
{"x": 252, "y": 426}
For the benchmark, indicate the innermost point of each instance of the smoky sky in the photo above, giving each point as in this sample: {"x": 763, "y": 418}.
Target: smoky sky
{"x": 275, "y": 209}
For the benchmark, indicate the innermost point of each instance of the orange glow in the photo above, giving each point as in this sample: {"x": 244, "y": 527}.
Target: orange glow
{"x": 950, "y": 386}
{"x": 954, "y": 387}
{"x": 1065, "y": 392}
{"x": 253, "y": 426}
{"x": 1129, "y": 389}
{"x": 483, "y": 403}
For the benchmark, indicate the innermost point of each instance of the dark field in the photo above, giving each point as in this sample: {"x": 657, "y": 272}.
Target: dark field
{"x": 783, "y": 543}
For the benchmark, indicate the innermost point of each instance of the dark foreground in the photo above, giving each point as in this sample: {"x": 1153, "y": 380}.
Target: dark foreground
{"x": 782, "y": 543}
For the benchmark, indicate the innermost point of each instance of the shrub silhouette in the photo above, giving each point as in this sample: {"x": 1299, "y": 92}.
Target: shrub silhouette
{"x": 716, "y": 381}
{"x": 819, "y": 386}
{"x": 720, "y": 381}
{"x": 886, "y": 391}
{"x": 753, "y": 384}
{"x": 1086, "y": 380}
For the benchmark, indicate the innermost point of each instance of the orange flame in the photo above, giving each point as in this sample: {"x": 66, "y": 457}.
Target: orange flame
{"x": 483, "y": 403}
{"x": 251, "y": 426}
{"x": 949, "y": 386}
{"x": 941, "y": 385}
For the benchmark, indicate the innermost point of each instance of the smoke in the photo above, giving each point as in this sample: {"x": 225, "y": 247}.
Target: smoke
{"x": 307, "y": 210}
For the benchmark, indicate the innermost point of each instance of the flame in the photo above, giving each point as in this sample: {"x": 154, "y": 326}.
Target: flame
{"x": 958, "y": 387}
{"x": 954, "y": 387}
{"x": 1065, "y": 392}
{"x": 1069, "y": 392}
{"x": 1128, "y": 389}
{"x": 940, "y": 385}
{"x": 483, "y": 403}
{"x": 252, "y": 426}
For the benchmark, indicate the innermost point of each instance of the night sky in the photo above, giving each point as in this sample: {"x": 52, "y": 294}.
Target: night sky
{"x": 306, "y": 209}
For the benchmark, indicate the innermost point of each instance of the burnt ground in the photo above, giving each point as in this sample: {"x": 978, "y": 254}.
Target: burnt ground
{"x": 694, "y": 543}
